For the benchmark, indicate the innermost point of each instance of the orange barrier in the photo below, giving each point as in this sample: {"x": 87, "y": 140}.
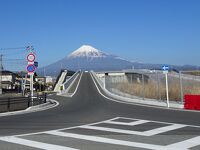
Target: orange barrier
{"x": 192, "y": 102}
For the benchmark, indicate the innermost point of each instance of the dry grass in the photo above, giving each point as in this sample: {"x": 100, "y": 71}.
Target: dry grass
{"x": 153, "y": 91}
{"x": 195, "y": 73}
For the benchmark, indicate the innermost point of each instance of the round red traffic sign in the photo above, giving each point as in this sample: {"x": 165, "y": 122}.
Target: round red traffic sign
{"x": 30, "y": 68}
{"x": 30, "y": 57}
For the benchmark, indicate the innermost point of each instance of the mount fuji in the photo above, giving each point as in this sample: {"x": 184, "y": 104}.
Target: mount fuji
{"x": 89, "y": 58}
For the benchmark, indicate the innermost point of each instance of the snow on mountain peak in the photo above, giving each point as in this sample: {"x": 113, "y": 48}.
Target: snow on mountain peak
{"x": 87, "y": 51}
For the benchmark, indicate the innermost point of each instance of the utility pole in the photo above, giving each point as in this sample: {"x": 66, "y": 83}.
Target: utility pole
{"x": 1, "y": 69}
{"x": 44, "y": 72}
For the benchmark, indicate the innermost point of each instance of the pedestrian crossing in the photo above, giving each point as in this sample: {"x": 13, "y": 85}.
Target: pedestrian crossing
{"x": 116, "y": 133}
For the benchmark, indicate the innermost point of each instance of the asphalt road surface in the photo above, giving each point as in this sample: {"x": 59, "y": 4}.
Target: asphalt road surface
{"x": 91, "y": 121}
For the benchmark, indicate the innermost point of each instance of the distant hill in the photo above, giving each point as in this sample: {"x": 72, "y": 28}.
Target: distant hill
{"x": 90, "y": 58}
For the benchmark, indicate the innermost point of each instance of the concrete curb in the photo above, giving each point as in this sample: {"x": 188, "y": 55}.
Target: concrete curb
{"x": 149, "y": 102}
{"x": 49, "y": 104}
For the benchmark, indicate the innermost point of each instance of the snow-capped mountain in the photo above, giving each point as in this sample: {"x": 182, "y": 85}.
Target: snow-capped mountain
{"x": 89, "y": 58}
{"x": 87, "y": 51}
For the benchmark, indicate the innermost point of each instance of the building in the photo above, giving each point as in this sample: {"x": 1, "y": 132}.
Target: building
{"x": 10, "y": 81}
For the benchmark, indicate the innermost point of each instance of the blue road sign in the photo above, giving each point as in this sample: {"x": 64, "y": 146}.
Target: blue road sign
{"x": 36, "y": 64}
{"x": 165, "y": 68}
{"x": 30, "y": 68}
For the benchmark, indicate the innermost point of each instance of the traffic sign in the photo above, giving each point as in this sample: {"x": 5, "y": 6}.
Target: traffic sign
{"x": 30, "y": 57}
{"x": 36, "y": 64}
{"x": 165, "y": 68}
{"x": 30, "y": 68}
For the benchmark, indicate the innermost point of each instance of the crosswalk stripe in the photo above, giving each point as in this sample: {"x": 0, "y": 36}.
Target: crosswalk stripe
{"x": 113, "y": 130}
{"x": 108, "y": 140}
{"x": 163, "y": 129}
{"x": 40, "y": 145}
{"x": 127, "y": 124}
{"x": 146, "y": 133}
{"x": 186, "y": 144}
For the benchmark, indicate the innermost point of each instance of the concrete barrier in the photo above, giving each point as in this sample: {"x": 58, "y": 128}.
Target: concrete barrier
{"x": 192, "y": 102}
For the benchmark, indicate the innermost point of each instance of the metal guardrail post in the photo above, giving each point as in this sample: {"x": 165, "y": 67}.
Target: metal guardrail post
{"x": 44, "y": 97}
{"x": 143, "y": 87}
{"x": 181, "y": 86}
{"x": 8, "y": 106}
{"x": 29, "y": 101}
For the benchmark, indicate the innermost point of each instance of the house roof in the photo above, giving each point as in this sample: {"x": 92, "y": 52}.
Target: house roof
{"x": 6, "y": 72}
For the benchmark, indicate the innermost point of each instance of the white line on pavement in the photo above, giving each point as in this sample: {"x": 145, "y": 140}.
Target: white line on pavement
{"x": 77, "y": 85}
{"x": 186, "y": 144}
{"x": 127, "y": 123}
{"x": 113, "y": 130}
{"x": 146, "y": 133}
{"x": 163, "y": 129}
{"x": 34, "y": 144}
{"x": 106, "y": 140}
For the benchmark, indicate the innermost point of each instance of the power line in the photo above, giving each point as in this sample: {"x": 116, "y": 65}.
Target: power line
{"x": 13, "y": 48}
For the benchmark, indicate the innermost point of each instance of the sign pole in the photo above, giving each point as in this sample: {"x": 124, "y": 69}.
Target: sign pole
{"x": 31, "y": 86}
{"x": 165, "y": 69}
{"x": 31, "y": 68}
{"x": 167, "y": 88}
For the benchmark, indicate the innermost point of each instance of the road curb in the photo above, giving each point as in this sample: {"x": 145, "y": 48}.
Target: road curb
{"x": 49, "y": 104}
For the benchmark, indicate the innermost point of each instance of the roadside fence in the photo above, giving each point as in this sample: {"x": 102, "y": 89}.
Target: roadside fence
{"x": 151, "y": 84}
{"x": 19, "y": 103}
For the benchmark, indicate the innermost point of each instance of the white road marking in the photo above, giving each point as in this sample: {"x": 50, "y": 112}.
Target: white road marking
{"x": 127, "y": 123}
{"x": 77, "y": 85}
{"x": 145, "y": 133}
{"x": 163, "y": 129}
{"x": 107, "y": 140}
{"x": 113, "y": 130}
{"x": 186, "y": 144}
{"x": 34, "y": 144}
{"x": 72, "y": 94}
{"x": 183, "y": 145}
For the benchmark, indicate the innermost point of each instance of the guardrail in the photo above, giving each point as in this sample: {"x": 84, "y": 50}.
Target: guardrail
{"x": 19, "y": 103}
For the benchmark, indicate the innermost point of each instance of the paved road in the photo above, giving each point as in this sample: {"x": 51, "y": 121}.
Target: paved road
{"x": 89, "y": 121}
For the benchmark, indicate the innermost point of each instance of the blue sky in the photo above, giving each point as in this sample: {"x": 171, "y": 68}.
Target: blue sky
{"x": 153, "y": 31}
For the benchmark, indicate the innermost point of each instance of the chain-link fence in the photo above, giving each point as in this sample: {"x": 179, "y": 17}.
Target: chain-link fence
{"x": 146, "y": 84}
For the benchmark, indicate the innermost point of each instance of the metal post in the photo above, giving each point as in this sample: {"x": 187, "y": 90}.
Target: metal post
{"x": 143, "y": 91}
{"x": 1, "y": 69}
{"x": 158, "y": 86}
{"x": 31, "y": 87}
{"x": 104, "y": 81}
{"x": 131, "y": 78}
{"x": 8, "y": 104}
{"x": 167, "y": 88}
{"x": 181, "y": 87}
